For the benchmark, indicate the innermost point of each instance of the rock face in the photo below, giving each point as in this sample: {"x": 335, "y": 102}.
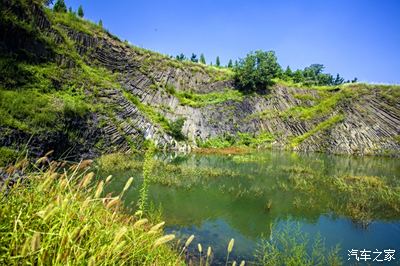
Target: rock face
{"x": 348, "y": 120}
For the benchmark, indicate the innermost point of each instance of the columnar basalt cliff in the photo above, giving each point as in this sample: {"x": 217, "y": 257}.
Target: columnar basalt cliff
{"x": 142, "y": 94}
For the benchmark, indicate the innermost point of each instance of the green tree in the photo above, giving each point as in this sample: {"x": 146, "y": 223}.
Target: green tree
{"x": 80, "y": 11}
{"x": 217, "y": 62}
{"x": 70, "y": 10}
{"x": 298, "y": 76}
{"x": 288, "y": 73}
{"x": 100, "y": 23}
{"x": 202, "y": 59}
{"x": 257, "y": 70}
{"x": 60, "y": 6}
{"x": 180, "y": 57}
{"x": 338, "y": 80}
{"x": 193, "y": 58}
{"x": 230, "y": 64}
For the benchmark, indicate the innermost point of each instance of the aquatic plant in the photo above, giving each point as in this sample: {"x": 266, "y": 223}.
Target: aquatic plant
{"x": 289, "y": 246}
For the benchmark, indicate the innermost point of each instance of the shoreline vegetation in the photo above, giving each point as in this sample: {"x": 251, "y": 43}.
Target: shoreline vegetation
{"x": 58, "y": 213}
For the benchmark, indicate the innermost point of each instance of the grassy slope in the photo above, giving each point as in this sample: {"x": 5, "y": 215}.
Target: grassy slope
{"x": 45, "y": 95}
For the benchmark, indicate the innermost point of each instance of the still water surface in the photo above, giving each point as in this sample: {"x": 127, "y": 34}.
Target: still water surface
{"x": 248, "y": 197}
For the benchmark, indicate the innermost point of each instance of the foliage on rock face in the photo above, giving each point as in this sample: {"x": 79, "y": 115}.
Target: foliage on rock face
{"x": 176, "y": 128}
{"x": 241, "y": 139}
{"x": 256, "y": 70}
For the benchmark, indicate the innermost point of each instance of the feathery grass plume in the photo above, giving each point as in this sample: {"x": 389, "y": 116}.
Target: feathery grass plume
{"x": 242, "y": 263}
{"x": 208, "y": 256}
{"x": 59, "y": 200}
{"x": 49, "y": 153}
{"x": 84, "y": 230}
{"x": 188, "y": 241}
{"x": 230, "y": 245}
{"x": 121, "y": 232}
{"x": 108, "y": 179}
{"x": 47, "y": 182}
{"x": 65, "y": 239}
{"x": 35, "y": 242}
{"x": 26, "y": 247}
{"x": 84, "y": 164}
{"x": 127, "y": 185}
{"x": 22, "y": 164}
{"x": 86, "y": 202}
{"x": 64, "y": 183}
{"x": 92, "y": 261}
{"x": 112, "y": 203}
{"x": 86, "y": 180}
{"x": 50, "y": 212}
{"x": 75, "y": 233}
{"x": 99, "y": 189}
{"x": 41, "y": 160}
{"x": 118, "y": 247}
{"x": 230, "y": 248}
{"x": 140, "y": 222}
{"x": 157, "y": 227}
{"x": 199, "y": 247}
{"x": 73, "y": 167}
{"x": 163, "y": 240}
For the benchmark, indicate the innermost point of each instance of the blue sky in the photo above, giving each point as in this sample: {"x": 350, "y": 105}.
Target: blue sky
{"x": 356, "y": 38}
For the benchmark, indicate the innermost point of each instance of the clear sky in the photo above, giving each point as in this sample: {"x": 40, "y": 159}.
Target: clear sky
{"x": 356, "y": 38}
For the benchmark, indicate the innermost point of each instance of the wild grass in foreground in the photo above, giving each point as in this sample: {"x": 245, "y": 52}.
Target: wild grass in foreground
{"x": 60, "y": 217}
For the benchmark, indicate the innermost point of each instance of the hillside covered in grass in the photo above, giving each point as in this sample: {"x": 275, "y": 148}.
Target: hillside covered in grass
{"x": 68, "y": 85}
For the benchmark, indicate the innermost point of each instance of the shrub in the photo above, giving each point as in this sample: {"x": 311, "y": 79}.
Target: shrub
{"x": 256, "y": 70}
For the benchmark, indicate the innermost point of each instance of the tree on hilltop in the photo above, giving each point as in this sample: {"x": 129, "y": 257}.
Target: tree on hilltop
{"x": 80, "y": 11}
{"x": 60, "y": 6}
{"x": 202, "y": 59}
{"x": 217, "y": 62}
{"x": 256, "y": 70}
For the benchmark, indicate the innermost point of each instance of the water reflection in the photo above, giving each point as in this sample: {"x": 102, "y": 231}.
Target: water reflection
{"x": 250, "y": 193}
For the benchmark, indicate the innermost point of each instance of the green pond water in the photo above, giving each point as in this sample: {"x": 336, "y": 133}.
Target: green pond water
{"x": 247, "y": 197}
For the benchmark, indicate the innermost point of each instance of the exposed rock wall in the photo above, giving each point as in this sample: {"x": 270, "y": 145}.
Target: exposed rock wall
{"x": 370, "y": 124}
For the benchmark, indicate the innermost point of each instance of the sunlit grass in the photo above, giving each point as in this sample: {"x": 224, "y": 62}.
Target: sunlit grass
{"x": 62, "y": 217}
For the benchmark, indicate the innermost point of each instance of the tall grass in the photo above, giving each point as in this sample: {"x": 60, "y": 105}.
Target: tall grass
{"x": 289, "y": 246}
{"x": 148, "y": 166}
{"x": 61, "y": 218}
